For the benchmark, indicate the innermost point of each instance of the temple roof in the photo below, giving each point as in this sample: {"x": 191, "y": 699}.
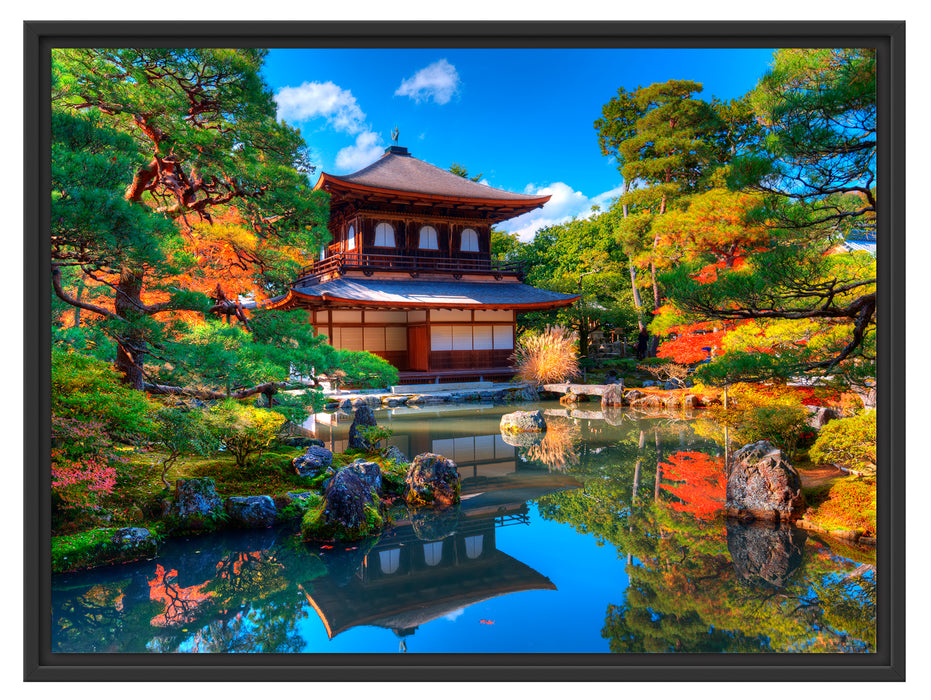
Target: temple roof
{"x": 398, "y": 171}
{"x": 427, "y": 293}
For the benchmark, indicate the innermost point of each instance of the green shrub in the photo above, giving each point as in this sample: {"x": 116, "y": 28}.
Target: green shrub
{"x": 755, "y": 416}
{"x": 849, "y": 443}
{"x": 84, "y": 388}
{"x": 243, "y": 430}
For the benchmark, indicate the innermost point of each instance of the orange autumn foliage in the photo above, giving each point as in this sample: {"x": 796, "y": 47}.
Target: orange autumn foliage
{"x": 701, "y": 484}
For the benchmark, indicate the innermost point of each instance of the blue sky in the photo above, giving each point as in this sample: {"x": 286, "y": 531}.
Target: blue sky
{"x": 520, "y": 117}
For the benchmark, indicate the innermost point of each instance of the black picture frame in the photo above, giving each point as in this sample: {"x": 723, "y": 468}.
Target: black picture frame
{"x": 887, "y": 664}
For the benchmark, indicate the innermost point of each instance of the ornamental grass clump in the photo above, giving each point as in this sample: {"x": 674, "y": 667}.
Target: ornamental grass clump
{"x": 547, "y": 356}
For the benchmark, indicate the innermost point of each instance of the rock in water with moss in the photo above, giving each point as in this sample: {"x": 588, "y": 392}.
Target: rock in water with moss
{"x": 312, "y": 462}
{"x": 763, "y": 485}
{"x": 362, "y": 418}
{"x": 252, "y": 511}
{"x": 105, "y": 546}
{"x": 523, "y": 422}
{"x": 350, "y": 511}
{"x": 432, "y": 480}
{"x": 194, "y": 505}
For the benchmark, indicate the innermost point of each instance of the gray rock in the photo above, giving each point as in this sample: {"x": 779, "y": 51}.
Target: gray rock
{"x": 395, "y": 454}
{"x": 132, "y": 537}
{"x": 252, "y": 511}
{"x": 669, "y": 386}
{"x": 691, "y": 401}
{"x": 763, "y": 485}
{"x": 369, "y": 472}
{"x": 363, "y": 418}
{"x": 194, "y": 504}
{"x": 523, "y": 422}
{"x": 312, "y": 462}
{"x": 823, "y": 416}
{"x": 613, "y": 395}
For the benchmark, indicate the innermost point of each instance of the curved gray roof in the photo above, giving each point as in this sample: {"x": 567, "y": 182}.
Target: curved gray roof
{"x": 400, "y": 171}
{"x": 421, "y": 292}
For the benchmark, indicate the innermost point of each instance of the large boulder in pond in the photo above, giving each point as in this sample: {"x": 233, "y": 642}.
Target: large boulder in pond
{"x": 523, "y": 422}
{"x": 350, "y": 511}
{"x": 362, "y": 418}
{"x": 613, "y": 395}
{"x": 312, "y": 462}
{"x": 194, "y": 505}
{"x": 765, "y": 551}
{"x": 763, "y": 485}
{"x": 252, "y": 511}
{"x": 432, "y": 480}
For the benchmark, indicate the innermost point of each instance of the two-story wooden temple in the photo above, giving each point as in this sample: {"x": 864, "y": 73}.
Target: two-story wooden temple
{"x": 409, "y": 275}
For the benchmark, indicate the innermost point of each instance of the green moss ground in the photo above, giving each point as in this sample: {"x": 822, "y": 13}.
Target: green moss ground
{"x": 93, "y": 548}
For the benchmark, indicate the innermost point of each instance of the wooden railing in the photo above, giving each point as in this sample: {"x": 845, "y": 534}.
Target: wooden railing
{"x": 412, "y": 264}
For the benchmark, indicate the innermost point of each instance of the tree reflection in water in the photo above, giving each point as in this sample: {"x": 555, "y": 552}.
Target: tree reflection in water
{"x": 697, "y": 582}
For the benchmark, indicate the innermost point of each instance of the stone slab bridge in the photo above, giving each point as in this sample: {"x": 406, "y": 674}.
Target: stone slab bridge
{"x": 611, "y": 394}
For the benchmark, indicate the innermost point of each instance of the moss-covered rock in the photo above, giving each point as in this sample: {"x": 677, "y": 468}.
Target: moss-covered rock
{"x": 100, "y": 547}
{"x": 432, "y": 480}
{"x": 194, "y": 506}
{"x": 350, "y": 510}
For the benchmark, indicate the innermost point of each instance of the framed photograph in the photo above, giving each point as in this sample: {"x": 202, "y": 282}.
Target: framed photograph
{"x": 464, "y": 351}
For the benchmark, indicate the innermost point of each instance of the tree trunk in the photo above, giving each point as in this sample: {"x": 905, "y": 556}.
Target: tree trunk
{"x": 131, "y": 347}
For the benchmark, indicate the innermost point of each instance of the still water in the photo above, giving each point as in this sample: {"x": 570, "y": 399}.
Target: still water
{"x": 605, "y": 537}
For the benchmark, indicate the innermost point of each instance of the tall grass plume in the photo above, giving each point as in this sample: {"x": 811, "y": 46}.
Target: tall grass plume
{"x": 547, "y": 356}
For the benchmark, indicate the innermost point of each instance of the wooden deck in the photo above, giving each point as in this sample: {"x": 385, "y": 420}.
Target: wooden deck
{"x": 441, "y": 376}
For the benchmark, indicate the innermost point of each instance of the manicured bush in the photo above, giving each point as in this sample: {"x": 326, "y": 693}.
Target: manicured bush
{"x": 849, "y": 443}
{"x": 847, "y": 504}
{"x": 756, "y": 415}
{"x": 547, "y": 356}
{"x": 243, "y": 430}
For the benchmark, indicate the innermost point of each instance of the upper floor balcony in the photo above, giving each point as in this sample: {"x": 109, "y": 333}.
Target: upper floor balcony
{"x": 368, "y": 263}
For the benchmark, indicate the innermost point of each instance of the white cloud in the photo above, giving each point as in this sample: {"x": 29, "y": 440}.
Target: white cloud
{"x": 565, "y": 203}
{"x": 454, "y": 615}
{"x": 438, "y": 82}
{"x": 327, "y": 100}
{"x": 367, "y": 148}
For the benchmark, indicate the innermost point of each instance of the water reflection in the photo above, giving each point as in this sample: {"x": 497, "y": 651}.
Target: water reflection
{"x": 672, "y": 575}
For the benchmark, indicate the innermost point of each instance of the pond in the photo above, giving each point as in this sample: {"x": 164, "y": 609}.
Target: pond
{"x": 605, "y": 537}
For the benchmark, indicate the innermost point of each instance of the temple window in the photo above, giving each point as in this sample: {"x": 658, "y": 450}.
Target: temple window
{"x": 351, "y": 238}
{"x": 474, "y": 546}
{"x": 428, "y": 239}
{"x": 384, "y": 236}
{"x": 389, "y": 560}
{"x": 469, "y": 241}
{"x": 433, "y": 553}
